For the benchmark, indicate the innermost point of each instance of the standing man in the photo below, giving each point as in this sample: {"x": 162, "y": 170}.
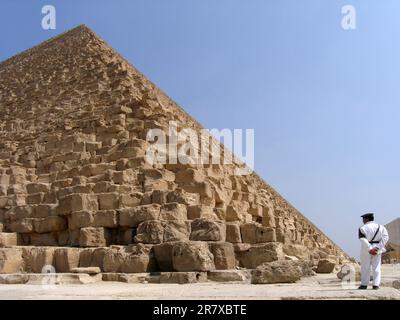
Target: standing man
{"x": 373, "y": 239}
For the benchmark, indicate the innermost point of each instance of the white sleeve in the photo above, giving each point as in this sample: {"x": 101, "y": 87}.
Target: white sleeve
{"x": 365, "y": 244}
{"x": 384, "y": 239}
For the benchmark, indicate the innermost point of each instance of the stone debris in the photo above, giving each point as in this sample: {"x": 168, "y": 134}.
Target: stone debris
{"x": 326, "y": 266}
{"x": 281, "y": 272}
{"x": 229, "y": 275}
{"x": 77, "y": 192}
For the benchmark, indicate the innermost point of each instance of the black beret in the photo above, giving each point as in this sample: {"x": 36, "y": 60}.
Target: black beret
{"x": 369, "y": 216}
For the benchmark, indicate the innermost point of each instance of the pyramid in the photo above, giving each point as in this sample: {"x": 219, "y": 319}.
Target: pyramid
{"x": 76, "y": 190}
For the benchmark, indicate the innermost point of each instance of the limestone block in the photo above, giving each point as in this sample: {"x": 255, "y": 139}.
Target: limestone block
{"x": 236, "y": 211}
{"x": 175, "y": 230}
{"x": 126, "y": 176}
{"x": 173, "y": 211}
{"x": 299, "y": 251}
{"x": 132, "y": 217}
{"x": 201, "y": 211}
{"x": 326, "y": 266}
{"x": 258, "y": 254}
{"x": 108, "y": 201}
{"x": 192, "y": 256}
{"x": 92, "y": 257}
{"x": 80, "y": 219}
{"x": 22, "y": 226}
{"x": 233, "y": 234}
{"x": 88, "y": 270}
{"x": 224, "y": 255}
{"x": 255, "y": 233}
{"x": 189, "y": 175}
{"x": 43, "y": 239}
{"x": 66, "y": 259}
{"x": 181, "y": 196}
{"x": 159, "y": 196}
{"x": 182, "y": 277}
{"x": 277, "y": 272}
{"x": 105, "y": 218}
{"x": 49, "y": 224}
{"x": 151, "y": 231}
{"x": 78, "y": 202}
{"x": 94, "y": 237}
{"x": 3, "y": 202}
{"x": 37, "y": 188}
{"x": 229, "y": 275}
{"x": 163, "y": 255}
{"x": 8, "y": 239}
{"x": 205, "y": 230}
{"x": 37, "y": 258}
{"x": 131, "y": 200}
{"x": 11, "y": 260}
{"x": 133, "y": 259}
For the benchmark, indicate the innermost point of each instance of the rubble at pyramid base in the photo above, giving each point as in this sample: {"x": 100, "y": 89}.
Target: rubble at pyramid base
{"x": 77, "y": 195}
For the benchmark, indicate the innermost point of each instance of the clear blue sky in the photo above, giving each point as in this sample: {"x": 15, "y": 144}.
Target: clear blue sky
{"x": 324, "y": 102}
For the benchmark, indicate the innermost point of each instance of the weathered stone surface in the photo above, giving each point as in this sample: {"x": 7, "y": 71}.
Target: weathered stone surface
{"x": 233, "y": 233}
{"x": 201, "y": 211}
{"x": 131, "y": 200}
{"x": 93, "y": 237}
{"x": 126, "y": 277}
{"x": 173, "y": 211}
{"x": 88, "y": 270}
{"x": 151, "y": 231}
{"x": 255, "y": 233}
{"x": 80, "y": 219}
{"x": 108, "y": 201}
{"x": 205, "y": 230}
{"x": 326, "y": 266}
{"x": 182, "y": 277}
{"x": 11, "y": 260}
{"x": 256, "y": 255}
{"x": 163, "y": 255}
{"x": 132, "y": 217}
{"x": 37, "y": 258}
{"x": 132, "y": 259}
{"x": 298, "y": 251}
{"x": 229, "y": 275}
{"x": 66, "y": 259}
{"x": 92, "y": 257}
{"x": 14, "y": 278}
{"x": 156, "y": 231}
{"x": 192, "y": 256}
{"x": 279, "y": 272}
{"x": 8, "y": 239}
{"x": 50, "y": 224}
{"x": 224, "y": 255}
{"x": 105, "y": 218}
{"x": 64, "y": 278}
{"x": 78, "y": 202}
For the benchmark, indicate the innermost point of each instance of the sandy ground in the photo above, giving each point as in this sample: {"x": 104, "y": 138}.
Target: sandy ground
{"x": 317, "y": 287}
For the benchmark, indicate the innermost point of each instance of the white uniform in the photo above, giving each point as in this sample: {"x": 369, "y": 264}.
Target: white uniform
{"x": 368, "y": 242}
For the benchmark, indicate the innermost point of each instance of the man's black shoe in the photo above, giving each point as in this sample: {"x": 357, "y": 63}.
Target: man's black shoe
{"x": 362, "y": 287}
{"x": 375, "y": 287}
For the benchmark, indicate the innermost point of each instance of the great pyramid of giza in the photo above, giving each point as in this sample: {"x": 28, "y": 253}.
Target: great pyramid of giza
{"x": 76, "y": 189}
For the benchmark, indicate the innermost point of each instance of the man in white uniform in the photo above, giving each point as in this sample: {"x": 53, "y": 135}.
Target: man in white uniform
{"x": 373, "y": 239}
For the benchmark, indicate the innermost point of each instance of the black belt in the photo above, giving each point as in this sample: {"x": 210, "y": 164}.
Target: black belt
{"x": 372, "y": 240}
